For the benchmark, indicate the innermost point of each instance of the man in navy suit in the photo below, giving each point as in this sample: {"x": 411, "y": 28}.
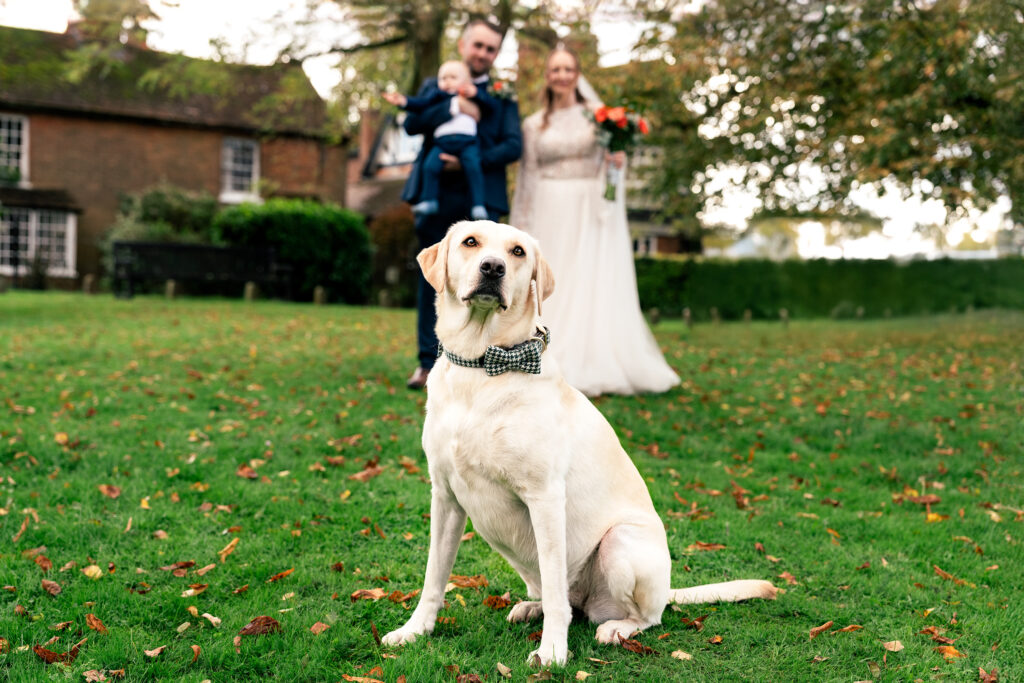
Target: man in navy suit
{"x": 501, "y": 144}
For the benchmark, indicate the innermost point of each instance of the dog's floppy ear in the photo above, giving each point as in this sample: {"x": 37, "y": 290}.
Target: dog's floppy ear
{"x": 545, "y": 280}
{"x": 434, "y": 263}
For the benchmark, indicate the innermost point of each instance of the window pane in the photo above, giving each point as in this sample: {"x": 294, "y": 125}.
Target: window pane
{"x": 14, "y": 227}
{"x": 11, "y": 136}
{"x": 239, "y": 165}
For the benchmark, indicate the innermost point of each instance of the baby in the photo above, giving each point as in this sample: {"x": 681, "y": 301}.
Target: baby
{"x": 457, "y": 137}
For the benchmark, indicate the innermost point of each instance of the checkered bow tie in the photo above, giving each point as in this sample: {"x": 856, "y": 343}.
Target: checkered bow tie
{"x": 498, "y": 360}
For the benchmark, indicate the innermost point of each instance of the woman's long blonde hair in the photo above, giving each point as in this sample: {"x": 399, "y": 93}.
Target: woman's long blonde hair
{"x": 549, "y": 96}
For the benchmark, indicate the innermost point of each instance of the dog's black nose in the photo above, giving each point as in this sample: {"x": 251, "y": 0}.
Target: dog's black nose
{"x": 492, "y": 267}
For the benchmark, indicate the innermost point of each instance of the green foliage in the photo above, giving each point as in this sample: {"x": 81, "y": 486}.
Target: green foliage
{"x": 163, "y": 213}
{"x": 823, "y": 427}
{"x": 326, "y": 245}
{"x": 827, "y": 287}
{"x": 395, "y": 271}
{"x": 926, "y": 94}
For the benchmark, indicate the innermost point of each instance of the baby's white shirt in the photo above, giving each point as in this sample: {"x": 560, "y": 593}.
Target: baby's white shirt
{"x": 459, "y": 124}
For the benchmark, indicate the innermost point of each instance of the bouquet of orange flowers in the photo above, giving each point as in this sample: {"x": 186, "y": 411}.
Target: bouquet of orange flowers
{"x": 619, "y": 130}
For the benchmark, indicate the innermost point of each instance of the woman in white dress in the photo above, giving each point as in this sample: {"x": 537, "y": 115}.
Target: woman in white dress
{"x": 598, "y": 333}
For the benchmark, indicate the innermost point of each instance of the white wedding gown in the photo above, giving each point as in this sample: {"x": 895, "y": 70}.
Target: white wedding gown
{"x": 598, "y": 333}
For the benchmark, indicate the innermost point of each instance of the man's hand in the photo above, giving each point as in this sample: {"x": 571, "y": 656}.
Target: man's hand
{"x": 395, "y": 98}
{"x": 468, "y": 90}
{"x": 451, "y": 162}
{"x": 469, "y": 107}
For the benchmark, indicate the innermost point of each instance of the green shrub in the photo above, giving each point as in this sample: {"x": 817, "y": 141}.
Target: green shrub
{"x": 395, "y": 271}
{"x": 325, "y": 244}
{"x": 163, "y": 213}
{"x": 822, "y": 288}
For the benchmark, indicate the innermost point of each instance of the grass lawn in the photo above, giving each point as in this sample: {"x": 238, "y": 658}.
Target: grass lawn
{"x": 243, "y": 437}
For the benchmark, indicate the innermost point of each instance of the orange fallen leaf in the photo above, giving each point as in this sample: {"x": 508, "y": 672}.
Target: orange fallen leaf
{"x": 818, "y": 630}
{"x": 701, "y": 545}
{"x": 228, "y": 549}
{"x": 44, "y": 562}
{"x": 893, "y": 646}
{"x": 51, "y": 657}
{"x": 635, "y": 646}
{"x": 475, "y": 581}
{"x": 51, "y": 587}
{"x": 261, "y": 625}
{"x": 715, "y": 640}
{"x": 497, "y": 601}
{"x": 280, "y": 575}
{"x": 155, "y": 652}
{"x": 790, "y": 579}
{"x": 195, "y": 653}
{"x": 851, "y": 627}
{"x": 361, "y": 679}
{"x": 949, "y": 652}
{"x": 367, "y": 473}
{"x": 109, "y": 490}
{"x": 95, "y": 624}
{"x": 368, "y": 594}
{"x": 988, "y": 676}
{"x": 318, "y": 628}
{"x": 246, "y": 472}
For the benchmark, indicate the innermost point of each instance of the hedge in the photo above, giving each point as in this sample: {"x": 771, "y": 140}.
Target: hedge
{"x": 823, "y": 287}
{"x": 325, "y": 244}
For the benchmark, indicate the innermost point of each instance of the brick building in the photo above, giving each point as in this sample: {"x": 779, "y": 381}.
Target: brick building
{"x": 72, "y": 143}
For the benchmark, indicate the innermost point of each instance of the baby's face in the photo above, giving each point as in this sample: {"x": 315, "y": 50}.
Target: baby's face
{"x": 451, "y": 76}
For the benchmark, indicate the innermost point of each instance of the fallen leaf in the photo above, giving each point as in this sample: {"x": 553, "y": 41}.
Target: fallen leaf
{"x": 228, "y": 549}
{"x": 790, "y": 579}
{"x": 361, "y": 679}
{"x": 155, "y": 652}
{"x": 949, "y": 652}
{"x": 51, "y": 657}
{"x": 205, "y": 569}
{"x": 194, "y": 589}
{"x": 280, "y": 575}
{"x": 44, "y": 562}
{"x": 237, "y": 642}
{"x": 246, "y": 472}
{"x": 367, "y": 473}
{"x": 696, "y": 624}
{"x": 503, "y": 670}
{"x": 582, "y": 675}
{"x": 368, "y": 594}
{"x": 261, "y": 625}
{"x": 988, "y": 676}
{"x": 851, "y": 627}
{"x": 818, "y": 630}
{"x": 94, "y": 676}
{"x": 497, "y": 601}
{"x": 51, "y": 587}
{"x": 679, "y": 654}
{"x": 635, "y": 646}
{"x": 109, "y": 490}
{"x": 318, "y": 628}
{"x": 95, "y": 624}
{"x": 715, "y": 640}
{"x": 701, "y": 545}
{"x": 62, "y": 625}
{"x": 214, "y": 621}
{"x": 468, "y": 581}
{"x": 893, "y": 646}
{"x": 818, "y": 659}
{"x": 195, "y": 653}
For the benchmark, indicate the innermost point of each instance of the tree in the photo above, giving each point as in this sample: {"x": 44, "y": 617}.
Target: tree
{"x": 926, "y": 93}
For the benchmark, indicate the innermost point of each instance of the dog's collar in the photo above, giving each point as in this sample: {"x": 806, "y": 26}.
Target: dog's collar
{"x": 497, "y": 360}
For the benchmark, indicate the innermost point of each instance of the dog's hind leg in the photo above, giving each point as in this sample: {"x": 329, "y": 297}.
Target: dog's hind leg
{"x": 631, "y": 581}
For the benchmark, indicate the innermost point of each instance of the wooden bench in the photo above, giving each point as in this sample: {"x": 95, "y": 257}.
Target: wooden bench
{"x": 138, "y": 262}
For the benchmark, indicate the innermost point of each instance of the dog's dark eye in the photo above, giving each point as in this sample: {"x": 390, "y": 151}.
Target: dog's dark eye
{"x": 469, "y": 242}
{"x": 518, "y": 251}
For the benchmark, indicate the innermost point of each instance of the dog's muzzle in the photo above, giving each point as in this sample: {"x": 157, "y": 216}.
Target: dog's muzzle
{"x": 489, "y": 289}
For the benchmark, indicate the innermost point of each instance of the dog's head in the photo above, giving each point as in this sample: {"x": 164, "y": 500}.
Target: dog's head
{"x": 488, "y": 266}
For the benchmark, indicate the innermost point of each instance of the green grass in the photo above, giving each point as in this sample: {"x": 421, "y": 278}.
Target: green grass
{"x": 166, "y": 399}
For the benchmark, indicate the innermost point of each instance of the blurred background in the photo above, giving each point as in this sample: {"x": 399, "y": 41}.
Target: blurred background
{"x": 830, "y": 158}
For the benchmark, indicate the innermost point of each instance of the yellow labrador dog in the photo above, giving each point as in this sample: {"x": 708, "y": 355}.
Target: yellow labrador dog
{"x": 530, "y": 459}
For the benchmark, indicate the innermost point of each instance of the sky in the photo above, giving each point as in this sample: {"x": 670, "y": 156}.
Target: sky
{"x": 246, "y": 26}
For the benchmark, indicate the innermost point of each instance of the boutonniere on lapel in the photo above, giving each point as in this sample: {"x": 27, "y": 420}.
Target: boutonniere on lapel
{"x": 503, "y": 90}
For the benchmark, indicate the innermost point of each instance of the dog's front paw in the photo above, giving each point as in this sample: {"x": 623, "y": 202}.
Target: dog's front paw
{"x": 548, "y": 654}
{"x": 525, "y": 611}
{"x": 402, "y": 636}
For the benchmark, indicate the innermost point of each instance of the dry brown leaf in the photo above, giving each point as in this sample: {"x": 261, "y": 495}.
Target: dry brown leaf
{"x": 95, "y": 624}
{"x": 468, "y": 581}
{"x": 497, "y": 601}
{"x": 368, "y": 594}
{"x": 361, "y": 679}
{"x": 696, "y": 624}
{"x": 367, "y": 473}
{"x": 194, "y": 589}
{"x": 237, "y": 642}
{"x": 261, "y": 625}
{"x": 195, "y": 653}
{"x": 851, "y": 627}
{"x": 51, "y": 587}
{"x": 155, "y": 652}
{"x": 679, "y": 654}
{"x": 205, "y": 569}
{"x": 988, "y": 676}
{"x": 109, "y": 490}
{"x": 92, "y": 571}
{"x": 51, "y": 657}
{"x": 94, "y": 676}
{"x": 44, "y": 562}
{"x": 318, "y": 628}
{"x": 184, "y": 564}
{"x": 246, "y": 472}
{"x": 949, "y": 652}
{"x": 635, "y": 646}
{"x": 228, "y": 549}
{"x": 893, "y": 646}
{"x": 280, "y": 575}
{"x": 715, "y": 640}
{"x": 790, "y": 579}
{"x": 60, "y": 626}
{"x": 215, "y": 621}
{"x": 701, "y": 545}
{"x": 818, "y": 630}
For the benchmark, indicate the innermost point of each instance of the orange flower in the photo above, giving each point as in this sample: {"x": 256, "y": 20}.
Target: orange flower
{"x": 642, "y": 124}
{"x": 601, "y": 114}
{"x": 622, "y": 123}
{"x": 617, "y": 115}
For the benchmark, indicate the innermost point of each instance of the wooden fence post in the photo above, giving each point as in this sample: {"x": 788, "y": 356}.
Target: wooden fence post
{"x": 319, "y": 295}
{"x": 250, "y": 291}
{"x": 784, "y": 317}
{"x": 170, "y": 289}
{"x": 688, "y": 317}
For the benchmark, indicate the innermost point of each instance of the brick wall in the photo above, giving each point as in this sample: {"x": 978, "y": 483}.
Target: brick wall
{"x": 96, "y": 160}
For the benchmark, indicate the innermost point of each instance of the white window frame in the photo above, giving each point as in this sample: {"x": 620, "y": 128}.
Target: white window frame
{"x": 228, "y": 195}
{"x": 23, "y": 166}
{"x": 32, "y": 240}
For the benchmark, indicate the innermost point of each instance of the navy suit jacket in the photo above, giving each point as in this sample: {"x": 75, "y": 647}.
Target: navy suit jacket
{"x": 501, "y": 143}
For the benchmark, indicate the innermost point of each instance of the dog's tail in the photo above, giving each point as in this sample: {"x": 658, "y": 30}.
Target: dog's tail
{"x": 728, "y": 591}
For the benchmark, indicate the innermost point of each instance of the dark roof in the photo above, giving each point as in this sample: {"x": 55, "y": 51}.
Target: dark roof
{"x": 37, "y": 199}
{"x": 42, "y": 71}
